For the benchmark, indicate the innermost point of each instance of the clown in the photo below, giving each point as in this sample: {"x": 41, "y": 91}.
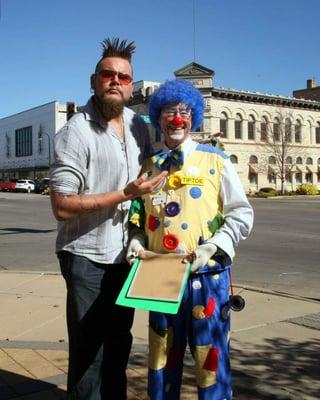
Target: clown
{"x": 202, "y": 212}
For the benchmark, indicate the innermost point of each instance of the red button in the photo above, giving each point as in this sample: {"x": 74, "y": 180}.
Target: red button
{"x": 170, "y": 241}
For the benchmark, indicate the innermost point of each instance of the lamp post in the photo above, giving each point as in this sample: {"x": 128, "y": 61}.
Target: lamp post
{"x": 49, "y": 146}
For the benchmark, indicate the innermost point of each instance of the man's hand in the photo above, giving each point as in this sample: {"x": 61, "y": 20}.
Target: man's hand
{"x": 201, "y": 256}
{"x": 143, "y": 185}
{"x": 136, "y": 248}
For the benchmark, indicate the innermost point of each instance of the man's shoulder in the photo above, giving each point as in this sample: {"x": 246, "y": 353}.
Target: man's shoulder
{"x": 134, "y": 117}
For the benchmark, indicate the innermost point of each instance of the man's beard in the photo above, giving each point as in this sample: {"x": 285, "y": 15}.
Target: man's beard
{"x": 109, "y": 108}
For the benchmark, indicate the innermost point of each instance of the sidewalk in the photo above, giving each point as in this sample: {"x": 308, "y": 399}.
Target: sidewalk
{"x": 275, "y": 344}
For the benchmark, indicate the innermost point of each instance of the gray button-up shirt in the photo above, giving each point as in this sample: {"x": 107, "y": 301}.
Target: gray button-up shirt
{"x": 91, "y": 158}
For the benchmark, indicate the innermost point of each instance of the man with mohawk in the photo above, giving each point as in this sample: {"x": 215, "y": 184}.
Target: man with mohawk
{"x": 98, "y": 156}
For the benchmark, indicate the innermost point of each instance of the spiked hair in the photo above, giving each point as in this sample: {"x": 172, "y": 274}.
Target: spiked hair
{"x": 116, "y": 48}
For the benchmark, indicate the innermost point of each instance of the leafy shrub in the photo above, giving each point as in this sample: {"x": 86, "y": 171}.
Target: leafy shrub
{"x": 262, "y": 195}
{"x": 267, "y": 189}
{"x": 307, "y": 188}
{"x": 267, "y": 192}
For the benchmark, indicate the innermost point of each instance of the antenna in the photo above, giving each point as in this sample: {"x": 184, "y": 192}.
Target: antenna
{"x": 194, "y": 31}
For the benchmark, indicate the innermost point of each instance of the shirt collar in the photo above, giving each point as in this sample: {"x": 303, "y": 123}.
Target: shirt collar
{"x": 188, "y": 147}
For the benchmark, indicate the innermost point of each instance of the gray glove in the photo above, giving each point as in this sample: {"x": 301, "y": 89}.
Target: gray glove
{"x": 135, "y": 248}
{"x": 202, "y": 255}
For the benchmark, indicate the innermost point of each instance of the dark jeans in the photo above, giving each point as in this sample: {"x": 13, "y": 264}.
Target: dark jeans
{"x": 99, "y": 331}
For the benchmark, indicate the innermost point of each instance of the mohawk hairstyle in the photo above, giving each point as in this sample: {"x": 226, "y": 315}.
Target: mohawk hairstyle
{"x": 114, "y": 48}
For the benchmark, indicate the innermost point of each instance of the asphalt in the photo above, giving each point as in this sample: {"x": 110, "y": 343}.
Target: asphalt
{"x": 275, "y": 344}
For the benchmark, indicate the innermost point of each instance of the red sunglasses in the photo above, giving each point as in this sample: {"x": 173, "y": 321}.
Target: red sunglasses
{"x": 109, "y": 75}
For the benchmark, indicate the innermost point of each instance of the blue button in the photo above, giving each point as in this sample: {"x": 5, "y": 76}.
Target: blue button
{"x": 195, "y": 192}
{"x": 172, "y": 209}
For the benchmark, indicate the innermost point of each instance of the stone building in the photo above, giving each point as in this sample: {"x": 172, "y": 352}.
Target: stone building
{"x": 246, "y": 120}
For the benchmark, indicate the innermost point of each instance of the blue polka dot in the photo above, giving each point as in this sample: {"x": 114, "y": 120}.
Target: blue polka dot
{"x": 195, "y": 192}
{"x": 166, "y": 224}
{"x": 212, "y": 171}
{"x": 184, "y": 226}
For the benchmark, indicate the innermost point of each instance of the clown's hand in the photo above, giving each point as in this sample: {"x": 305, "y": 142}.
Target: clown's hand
{"x": 201, "y": 256}
{"x": 136, "y": 248}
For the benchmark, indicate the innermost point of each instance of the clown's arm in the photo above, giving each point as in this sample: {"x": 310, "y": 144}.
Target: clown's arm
{"x": 237, "y": 211}
{"x": 137, "y": 237}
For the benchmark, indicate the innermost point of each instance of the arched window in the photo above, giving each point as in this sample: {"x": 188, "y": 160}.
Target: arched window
{"x": 264, "y": 128}
{"x": 297, "y": 131}
{"x": 289, "y": 160}
{"x": 272, "y": 160}
{"x": 309, "y": 161}
{"x": 299, "y": 161}
{"x": 251, "y": 127}
{"x": 318, "y": 133}
{"x": 238, "y": 126}
{"x": 253, "y": 160}
{"x": 287, "y": 131}
{"x": 298, "y": 177}
{"x": 224, "y": 124}
{"x": 276, "y": 129}
{"x": 234, "y": 159}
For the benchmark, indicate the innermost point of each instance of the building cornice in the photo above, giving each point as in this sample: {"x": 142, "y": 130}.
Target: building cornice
{"x": 260, "y": 98}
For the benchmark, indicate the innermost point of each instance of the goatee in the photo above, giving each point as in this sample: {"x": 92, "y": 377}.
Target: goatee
{"x": 109, "y": 108}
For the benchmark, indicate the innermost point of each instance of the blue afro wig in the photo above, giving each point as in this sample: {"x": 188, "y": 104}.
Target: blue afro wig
{"x": 173, "y": 92}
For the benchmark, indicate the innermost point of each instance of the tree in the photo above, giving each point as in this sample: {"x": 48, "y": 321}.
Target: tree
{"x": 281, "y": 146}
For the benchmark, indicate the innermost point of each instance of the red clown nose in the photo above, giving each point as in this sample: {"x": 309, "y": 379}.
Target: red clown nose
{"x": 177, "y": 120}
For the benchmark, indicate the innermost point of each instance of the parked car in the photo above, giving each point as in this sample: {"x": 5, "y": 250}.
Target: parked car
{"x": 42, "y": 185}
{"x": 8, "y": 186}
{"x": 25, "y": 185}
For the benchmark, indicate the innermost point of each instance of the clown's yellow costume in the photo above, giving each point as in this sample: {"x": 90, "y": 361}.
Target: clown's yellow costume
{"x": 201, "y": 203}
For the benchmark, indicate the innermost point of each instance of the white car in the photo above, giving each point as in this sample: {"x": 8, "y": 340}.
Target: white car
{"x": 25, "y": 185}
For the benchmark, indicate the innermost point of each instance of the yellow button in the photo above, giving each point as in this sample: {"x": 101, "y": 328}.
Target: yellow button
{"x": 174, "y": 181}
{"x": 211, "y": 263}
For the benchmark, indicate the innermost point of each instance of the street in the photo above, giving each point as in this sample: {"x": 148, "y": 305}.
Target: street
{"x": 282, "y": 253}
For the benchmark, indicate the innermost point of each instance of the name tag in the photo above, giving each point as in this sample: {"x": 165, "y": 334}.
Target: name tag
{"x": 160, "y": 199}
{"x": 192, "y": 180}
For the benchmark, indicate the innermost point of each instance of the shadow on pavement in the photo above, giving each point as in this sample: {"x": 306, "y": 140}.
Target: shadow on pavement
{"x": 14, "y": 386}
{"x": 11, "y": 231}
{"x": 277, "y": 369}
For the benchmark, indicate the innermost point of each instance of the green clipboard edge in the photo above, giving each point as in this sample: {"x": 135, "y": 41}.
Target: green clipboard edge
{"x": 168, "y": 307}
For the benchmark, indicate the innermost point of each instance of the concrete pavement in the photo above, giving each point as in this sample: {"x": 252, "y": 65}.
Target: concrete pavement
{"x": 275, "y": 344}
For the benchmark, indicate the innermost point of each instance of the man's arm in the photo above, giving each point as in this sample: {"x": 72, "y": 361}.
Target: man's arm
{"x": 70, "y": 206}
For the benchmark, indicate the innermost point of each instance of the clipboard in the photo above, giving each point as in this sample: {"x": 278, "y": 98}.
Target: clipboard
{"x": 155, "y": 283}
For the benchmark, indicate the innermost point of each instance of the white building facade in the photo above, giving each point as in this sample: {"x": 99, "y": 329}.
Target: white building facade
{"x": 26, "y": 141}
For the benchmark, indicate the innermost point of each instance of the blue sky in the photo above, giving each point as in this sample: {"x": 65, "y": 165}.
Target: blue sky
{"x": 48, "y": 49}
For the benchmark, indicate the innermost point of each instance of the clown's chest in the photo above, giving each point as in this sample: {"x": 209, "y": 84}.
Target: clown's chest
{"x": 180, "y": 211}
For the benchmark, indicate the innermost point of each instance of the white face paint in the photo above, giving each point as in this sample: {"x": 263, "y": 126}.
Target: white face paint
{"x": 175, "y": 123}
{"x": 176, "y": 135}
